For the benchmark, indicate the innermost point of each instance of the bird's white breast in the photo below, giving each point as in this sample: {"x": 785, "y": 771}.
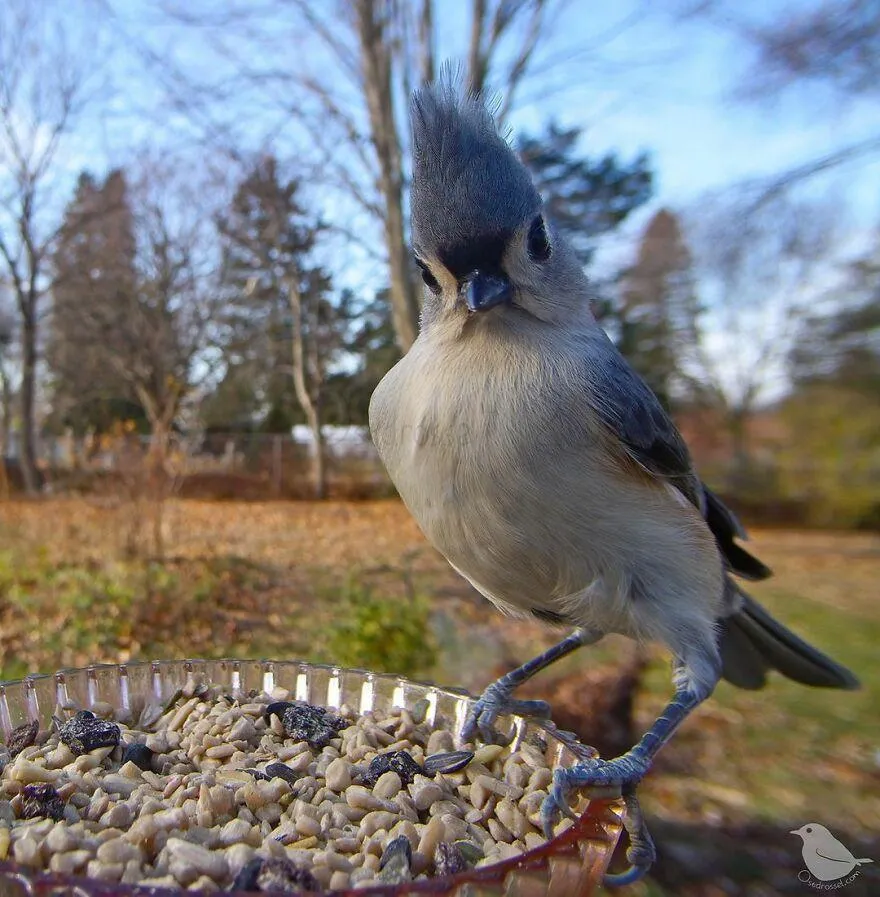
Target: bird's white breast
{"x": 504, "y": 466}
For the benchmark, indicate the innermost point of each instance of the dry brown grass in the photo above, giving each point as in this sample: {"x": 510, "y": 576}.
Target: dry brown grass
{"x": 840, "y": 569}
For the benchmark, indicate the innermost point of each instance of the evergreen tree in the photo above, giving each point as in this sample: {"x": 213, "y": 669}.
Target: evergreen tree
{"x": 373, "y": 351}
{"x": 585, "y": 198}
{"x": 94, "y": 280}
{"x": 659, "y": 307}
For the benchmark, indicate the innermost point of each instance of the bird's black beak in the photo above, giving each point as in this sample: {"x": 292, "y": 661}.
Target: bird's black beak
{"x": 482, "y": 291}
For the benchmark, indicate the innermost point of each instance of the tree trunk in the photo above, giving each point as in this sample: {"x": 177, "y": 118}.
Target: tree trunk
{"x": 404, "y": 304}
{"x": 28, "y": 450}
{"x": 156, "y": 478}
{"x": 157, "y": 483}
{"x": 319, "y": 460}
{"x": 5, "y": 410}
{"x": 5, "y": 430}
{"x": 372, "y": 22}
{"x": 310, "y": 408}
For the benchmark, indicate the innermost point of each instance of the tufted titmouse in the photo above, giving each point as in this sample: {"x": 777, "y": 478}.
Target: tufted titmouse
{"x": 541, "y": 466}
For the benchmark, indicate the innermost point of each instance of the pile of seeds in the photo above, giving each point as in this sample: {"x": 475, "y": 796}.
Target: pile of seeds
{"x": 263, "y": 793}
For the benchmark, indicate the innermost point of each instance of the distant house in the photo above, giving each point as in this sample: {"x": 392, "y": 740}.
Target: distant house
{"x": 341, "y": 441}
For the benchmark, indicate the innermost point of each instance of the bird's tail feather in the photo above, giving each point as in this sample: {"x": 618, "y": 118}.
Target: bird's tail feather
{"x": 752, "y": 642}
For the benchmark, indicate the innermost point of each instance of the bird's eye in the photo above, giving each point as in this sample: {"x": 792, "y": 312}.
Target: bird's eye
{"x": 810, "y": 830}
{"x": 539, "y": 241}
{"x": 430, "y": 281}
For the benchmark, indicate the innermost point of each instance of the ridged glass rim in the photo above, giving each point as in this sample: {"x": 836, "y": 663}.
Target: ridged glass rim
{"x": 598, "y": 824}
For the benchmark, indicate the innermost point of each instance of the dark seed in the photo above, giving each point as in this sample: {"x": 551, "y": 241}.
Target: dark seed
{"x": 305, "y": 722}
{"x": 393, "y": 848}
{"x": 395, "y": 862}
{"x": 21, "y": 738}
{"x": 41, "y": 800}
{"x": 273, "y": 875}
{"x": 537, "y": 740}
{"x": 282, "y": 875}
{"x": 139, "y": 754}
{"x": 450, "y": 761}
{"x": 281, "y": 771}
{"x": 85, "y": 732}
{"x": 449, "y": 860}
{"x": 277, "y": 708}
{"x": 393, "y": 761}
{"x": 246, "y": 880}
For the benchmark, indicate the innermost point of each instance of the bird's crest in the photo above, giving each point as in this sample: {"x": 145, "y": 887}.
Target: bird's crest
{"x": 467, "y": 180}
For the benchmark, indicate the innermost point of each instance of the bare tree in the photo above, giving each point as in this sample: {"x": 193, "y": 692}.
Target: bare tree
{"x": 311, "y": 351}
{"x": 831, "y": 43}
{"x": 756, "y": 268}
{"x": 152, "y": 333}
{"x": 356, "y": 122}
{"x": 283, "y": 328}
{"x": 390, "y": 50}
{"x": 7, "y": 340}
{"x": 826, "y": 45}
{"x": 45, "y": 78}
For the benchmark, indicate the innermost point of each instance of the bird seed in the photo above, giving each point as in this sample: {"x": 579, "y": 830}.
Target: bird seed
{"x": 262, "y": 793}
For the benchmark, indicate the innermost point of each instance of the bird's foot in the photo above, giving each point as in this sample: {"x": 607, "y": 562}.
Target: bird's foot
{"x": 495, "y": 701}
{"x": 606, "y": 778}
{"x": 610, "y": 777}
{"x": 641, "y": 852}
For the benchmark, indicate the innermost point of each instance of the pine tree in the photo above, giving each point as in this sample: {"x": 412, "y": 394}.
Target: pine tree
{"x": 659, "y": 307}
{"x": 94, "y": 284}
{"x": 585, "y": 198}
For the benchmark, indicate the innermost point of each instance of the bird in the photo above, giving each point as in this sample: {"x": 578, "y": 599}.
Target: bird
{"x": 825, "y": 857}
{"x": 543, "y": 468}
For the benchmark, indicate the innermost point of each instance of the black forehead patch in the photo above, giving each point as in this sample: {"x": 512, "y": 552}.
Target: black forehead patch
{"x": 483, "y": 253}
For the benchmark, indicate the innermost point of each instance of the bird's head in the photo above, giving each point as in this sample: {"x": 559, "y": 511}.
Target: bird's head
{"x": 810, "y": 831}
{"x": 480, "y": 236}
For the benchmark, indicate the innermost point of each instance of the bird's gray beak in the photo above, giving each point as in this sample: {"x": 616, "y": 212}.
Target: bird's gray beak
{"x": 482, "y": 291}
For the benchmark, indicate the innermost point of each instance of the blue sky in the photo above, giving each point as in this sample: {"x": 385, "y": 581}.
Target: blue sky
{"x": 628, "y": 73}
{"x": 633, "y": 81}
{"x": 659, "y": 85}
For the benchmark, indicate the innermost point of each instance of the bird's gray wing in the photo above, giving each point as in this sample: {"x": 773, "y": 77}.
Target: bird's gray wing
{"x": 831, "y": 849}
{"x": 628, "y": 407}
{"x": 634, "y": 414}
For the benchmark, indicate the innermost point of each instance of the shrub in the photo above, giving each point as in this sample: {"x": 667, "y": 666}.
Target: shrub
{"x": 380, "y": 632}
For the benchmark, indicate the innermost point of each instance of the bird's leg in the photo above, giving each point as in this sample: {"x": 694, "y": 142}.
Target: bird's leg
{"x": 627, "y": 770}
{"x": 498, "y": 697}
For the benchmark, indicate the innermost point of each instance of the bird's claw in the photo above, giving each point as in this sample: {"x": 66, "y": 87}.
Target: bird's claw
{"x": 611, "y": 777}
{"x": 495, "y": 701}
{"x": 641, "y": 852}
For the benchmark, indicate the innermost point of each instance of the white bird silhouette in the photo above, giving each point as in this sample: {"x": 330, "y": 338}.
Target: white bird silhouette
{"x": 825, "y": 857}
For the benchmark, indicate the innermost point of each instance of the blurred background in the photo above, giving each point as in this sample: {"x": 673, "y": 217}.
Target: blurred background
{"x": 204, "y": 273}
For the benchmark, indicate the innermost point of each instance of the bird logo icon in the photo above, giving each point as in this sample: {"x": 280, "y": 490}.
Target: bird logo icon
{"x": 825, "y": 857}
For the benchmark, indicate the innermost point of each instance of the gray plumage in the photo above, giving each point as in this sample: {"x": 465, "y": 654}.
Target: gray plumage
{"x": 455, "y": 150}
{"x": 529, "y": 452}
